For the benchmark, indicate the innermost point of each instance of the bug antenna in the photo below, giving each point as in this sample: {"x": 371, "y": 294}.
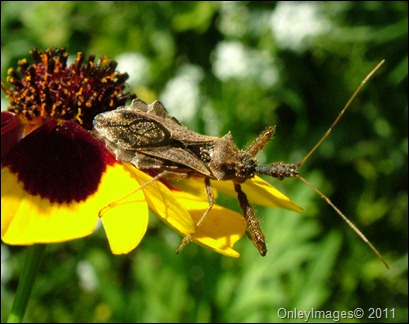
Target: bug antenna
{"x": 352, "y": 225}
{"x": 323, "y": 138}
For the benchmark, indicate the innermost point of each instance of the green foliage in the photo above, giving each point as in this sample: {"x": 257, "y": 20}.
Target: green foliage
{"x": 240, "y": 66}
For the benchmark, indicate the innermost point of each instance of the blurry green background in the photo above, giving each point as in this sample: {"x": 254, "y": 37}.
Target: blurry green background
{"x": 240, "y": 66}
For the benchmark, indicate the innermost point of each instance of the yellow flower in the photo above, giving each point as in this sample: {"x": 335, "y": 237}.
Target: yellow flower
{"x": 57, "y": 177}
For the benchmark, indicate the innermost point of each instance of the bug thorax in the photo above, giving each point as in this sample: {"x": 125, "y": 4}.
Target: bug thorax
{"x": 229, "y": 163}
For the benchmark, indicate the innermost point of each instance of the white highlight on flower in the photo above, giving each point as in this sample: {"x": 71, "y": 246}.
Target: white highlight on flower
{"x": 182, "y": 93}
{"x": 137, "y": 67}
{"x": 295, "y": 24}
{"x": 233, "y": 18}
{"x": 232, "y": 60}
{"x": 87, "y": 276}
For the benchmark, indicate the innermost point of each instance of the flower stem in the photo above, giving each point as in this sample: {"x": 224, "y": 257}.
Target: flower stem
{"x": 33, "y": 257}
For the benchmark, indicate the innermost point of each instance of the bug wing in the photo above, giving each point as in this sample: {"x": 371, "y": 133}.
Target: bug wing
{"x": 141, "y": 129}
{"x": 179, "y": 132}
{"x": 128, "y": 130}
{"x": 182, "y": 159}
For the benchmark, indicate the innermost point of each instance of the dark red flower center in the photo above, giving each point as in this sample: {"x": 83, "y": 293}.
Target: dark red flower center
{"x": 60, "y": 162}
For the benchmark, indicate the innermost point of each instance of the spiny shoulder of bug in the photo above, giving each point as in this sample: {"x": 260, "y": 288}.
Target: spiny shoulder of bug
{"x": 155, "y": 108}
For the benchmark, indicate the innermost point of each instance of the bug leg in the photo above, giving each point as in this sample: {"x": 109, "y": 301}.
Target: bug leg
{"x": 253, "y": 225}
{"x": 210, "y": 197}
{"x": 116, "y": 202}
{"x": 256, "y": 146}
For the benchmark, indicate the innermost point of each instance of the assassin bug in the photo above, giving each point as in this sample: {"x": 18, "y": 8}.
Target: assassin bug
{"x": 146, "y": 136}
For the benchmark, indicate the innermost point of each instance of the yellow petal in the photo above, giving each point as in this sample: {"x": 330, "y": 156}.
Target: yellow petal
{"x": 28, "y": 219}
{"x": 163, "y": 203}
{"x": 182, "y": 211}
{"x": 125, "y": 223}
{"x": 193, "y": 185}
{"x": 220, "y": 229}
{"x": 259, "y": 192}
